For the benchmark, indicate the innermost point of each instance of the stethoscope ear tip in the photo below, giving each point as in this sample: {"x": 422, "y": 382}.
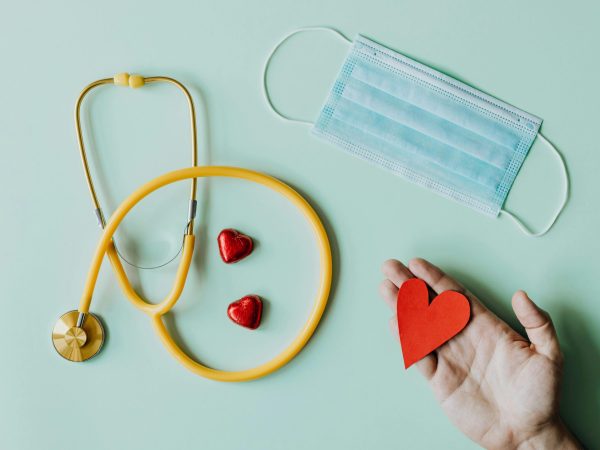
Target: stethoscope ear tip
{"x": 132, "y": 80}
{"x": 78, "y": 337}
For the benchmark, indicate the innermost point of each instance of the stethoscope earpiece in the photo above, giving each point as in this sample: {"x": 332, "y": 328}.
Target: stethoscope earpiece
{"x": 133, "y": 81}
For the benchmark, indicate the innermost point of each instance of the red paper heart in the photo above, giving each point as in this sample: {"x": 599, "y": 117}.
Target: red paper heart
{"x": 246, "y": 311}
{"x": 233, "y": 245}
{"x": 422, "y": 326}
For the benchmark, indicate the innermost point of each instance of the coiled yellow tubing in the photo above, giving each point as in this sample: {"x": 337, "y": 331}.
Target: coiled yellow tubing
{"x": 156, "y": 311}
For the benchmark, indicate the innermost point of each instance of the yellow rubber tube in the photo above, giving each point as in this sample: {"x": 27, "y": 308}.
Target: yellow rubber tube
{"x": 157, "y": 311}
{"x": 176, "y": 290}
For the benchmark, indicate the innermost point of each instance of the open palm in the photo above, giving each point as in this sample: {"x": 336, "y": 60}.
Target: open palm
{"x": 497, "y": 387}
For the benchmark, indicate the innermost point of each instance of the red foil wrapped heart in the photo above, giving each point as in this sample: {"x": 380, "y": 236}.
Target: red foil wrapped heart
{"x": 233, "y": 245}
{"x": 246, "y": 311}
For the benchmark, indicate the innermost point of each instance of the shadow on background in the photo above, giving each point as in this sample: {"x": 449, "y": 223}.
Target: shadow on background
{"x": 481, "y": 289}
{"x": 335, "y": 251}
{"x": 580, "y": 402}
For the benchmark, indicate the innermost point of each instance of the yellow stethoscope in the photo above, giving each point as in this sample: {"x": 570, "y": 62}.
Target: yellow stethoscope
{"x": 78, "y": 335}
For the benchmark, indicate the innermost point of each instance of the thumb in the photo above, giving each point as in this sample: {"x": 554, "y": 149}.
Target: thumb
{"x": 538, "y": 325}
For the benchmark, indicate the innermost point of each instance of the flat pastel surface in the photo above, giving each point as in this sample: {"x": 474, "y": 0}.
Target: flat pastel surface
{"x": 347, "y": 389}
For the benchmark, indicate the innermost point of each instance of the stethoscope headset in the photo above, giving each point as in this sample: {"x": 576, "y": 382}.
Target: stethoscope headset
{"x": 79, "y": 335}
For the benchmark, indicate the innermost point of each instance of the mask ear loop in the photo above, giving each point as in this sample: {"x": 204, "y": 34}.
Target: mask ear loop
{"x": 266, "y": 93}
{"x": 560, "y": 209}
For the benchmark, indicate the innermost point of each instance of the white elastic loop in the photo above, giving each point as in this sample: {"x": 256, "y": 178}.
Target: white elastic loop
{"x": 565, "y": 197}
{"x": 268, "y": 62}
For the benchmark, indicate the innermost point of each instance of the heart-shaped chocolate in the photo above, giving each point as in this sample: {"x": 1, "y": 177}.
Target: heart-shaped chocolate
{"x": 425, "y": 326}
{"x": 246, "y": 311}
{"x": 233, "y": 245}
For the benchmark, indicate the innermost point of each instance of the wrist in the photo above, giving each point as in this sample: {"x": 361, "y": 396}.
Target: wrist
{"x": 553, "y": 435}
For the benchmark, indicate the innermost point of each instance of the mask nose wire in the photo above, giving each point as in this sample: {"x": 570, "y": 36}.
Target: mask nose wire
{"x": 563, "y": 203}
{"x": 267, "y": 64}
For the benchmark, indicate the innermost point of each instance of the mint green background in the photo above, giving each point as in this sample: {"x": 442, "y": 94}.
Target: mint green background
{"x": 347, "y": 389}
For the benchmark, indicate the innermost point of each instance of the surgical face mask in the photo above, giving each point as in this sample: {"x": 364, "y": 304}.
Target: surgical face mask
{"x": 427, "y": 127}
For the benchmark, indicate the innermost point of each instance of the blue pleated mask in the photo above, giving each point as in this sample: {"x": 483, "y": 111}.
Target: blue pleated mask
{"x": 427, "y": 127}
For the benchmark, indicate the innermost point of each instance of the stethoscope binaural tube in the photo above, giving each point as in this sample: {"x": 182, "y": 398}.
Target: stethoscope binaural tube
{"x": 158, "y": 310}
{"x": 136, "y": 81}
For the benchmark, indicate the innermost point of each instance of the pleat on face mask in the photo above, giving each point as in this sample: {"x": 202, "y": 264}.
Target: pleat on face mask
{"x": 427, "y": 127}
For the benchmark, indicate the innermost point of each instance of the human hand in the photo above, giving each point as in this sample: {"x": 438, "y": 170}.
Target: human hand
{"x": 497, "y": 387}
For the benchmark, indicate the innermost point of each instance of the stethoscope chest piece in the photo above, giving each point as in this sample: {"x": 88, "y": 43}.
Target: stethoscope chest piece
{"x": 78, "y": 338}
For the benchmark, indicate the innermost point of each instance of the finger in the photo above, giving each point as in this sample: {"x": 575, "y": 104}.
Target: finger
{"x": 538, "y": 325}
{"x": 440, "y": 282}
{"x": 426, "y": 365}
{"x": 393, "y": 323}
{"x": 434, "y": 276}
{"x": 389, "y": 293}
{"x": 396, "y": 272}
